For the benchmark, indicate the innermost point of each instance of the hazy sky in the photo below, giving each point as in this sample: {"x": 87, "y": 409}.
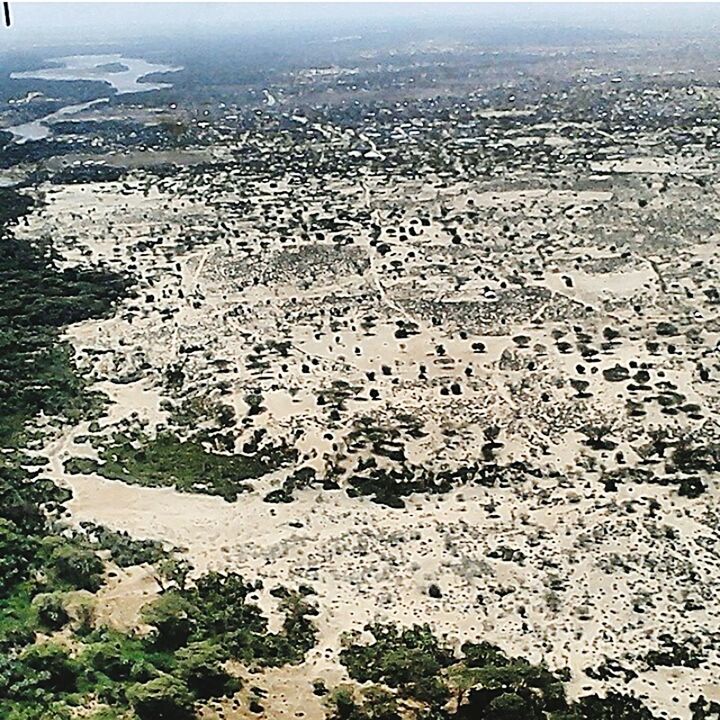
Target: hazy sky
{"x": 59, "y": 22}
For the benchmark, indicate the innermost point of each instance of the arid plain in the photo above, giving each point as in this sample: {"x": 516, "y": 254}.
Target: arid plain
{"x": 464, "y": 331}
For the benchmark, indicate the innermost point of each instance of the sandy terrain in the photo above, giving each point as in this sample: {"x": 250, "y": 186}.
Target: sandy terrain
{"x": 548, "y": 564}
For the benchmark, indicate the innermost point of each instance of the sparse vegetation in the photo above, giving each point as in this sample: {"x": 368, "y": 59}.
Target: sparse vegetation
{"x": 469, "y": 277}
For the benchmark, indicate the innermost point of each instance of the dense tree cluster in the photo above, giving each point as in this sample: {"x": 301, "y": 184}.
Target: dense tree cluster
{"x": 165, "y": 460}
{"x": 37, "y": 299}
{"x": 414, "y": 675}
{"x": 216, "y": 609}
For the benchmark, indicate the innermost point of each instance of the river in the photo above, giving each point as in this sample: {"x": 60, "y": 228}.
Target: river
{"x": 121, "y": 73}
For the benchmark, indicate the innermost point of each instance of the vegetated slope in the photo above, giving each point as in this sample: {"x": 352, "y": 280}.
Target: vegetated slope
{"x": 55, "y": 654}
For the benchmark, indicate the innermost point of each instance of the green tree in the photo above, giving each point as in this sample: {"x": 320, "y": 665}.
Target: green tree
{"x": 50, "y": 610}
{"x": 376, "y": 703}
{"x": 77, "y": 566}
{"x": 109, "y": 658}
{"x": 613, "y": 706}
{"x": 17, "y": 552}
{"x": 163, "y": 698}
{"x": 342, "y": 703}
{"x": 173, "y": 617}
{"x": 56, "y": 671}
{"x": 82, "y": 615}
{"x": 200, "y": 665}
{"x": 172, "y": 571}
{"x": 510, "y": 706}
